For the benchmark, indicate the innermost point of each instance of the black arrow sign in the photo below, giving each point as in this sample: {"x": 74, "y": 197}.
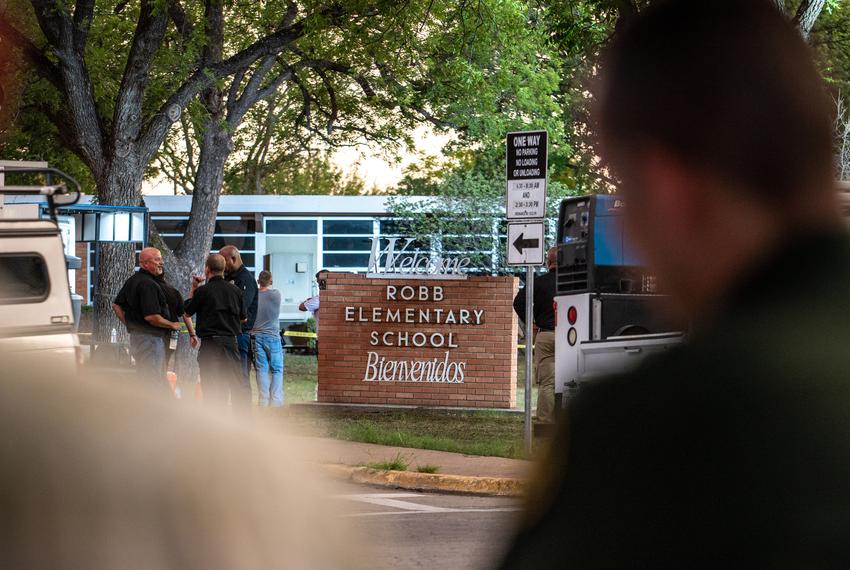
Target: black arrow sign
{"x": 521, "y": 244}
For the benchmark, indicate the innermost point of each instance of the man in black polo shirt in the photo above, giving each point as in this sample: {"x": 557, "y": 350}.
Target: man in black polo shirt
{"x": 235, "y": 272}
{"x": 221, "y": 314}
{"x": 174, "y": 301}
{"x": 544, "y": 337}
{"x": 141, "y": 305}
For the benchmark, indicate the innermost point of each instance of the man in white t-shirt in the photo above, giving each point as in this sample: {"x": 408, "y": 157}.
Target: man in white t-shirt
{"x": 312, "y": 304}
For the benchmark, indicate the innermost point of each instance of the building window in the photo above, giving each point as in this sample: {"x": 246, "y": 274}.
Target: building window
{"x": 235, "y": 226}
{"x": 235, "y": 231}
{"x": 167, "y": 226}
{"x": 354, "y": 261}
{"x": 291, "y": 227}
{"x": 347, "y": 227}
{"x": 347, "y": 243}
{"x": 395, "y": 227}
{"x": 246, "y": 243}
{"x": 222, "y": 226}
{"x": 241, "y": 242}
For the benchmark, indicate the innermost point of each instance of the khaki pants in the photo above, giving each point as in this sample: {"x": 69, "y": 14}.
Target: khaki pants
{"x": 544, "y": 375}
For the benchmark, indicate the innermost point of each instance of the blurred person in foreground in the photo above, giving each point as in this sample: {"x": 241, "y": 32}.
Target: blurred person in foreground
{"x": 143, "y": 308}
{"x": 235, "y": 272}
{"x": 87, "y": 480}
{"x": 734, "y": 449}
{"x": 221, "y": 313}
{"x": 268, "y": 353}
{"x": 544, "y": 336}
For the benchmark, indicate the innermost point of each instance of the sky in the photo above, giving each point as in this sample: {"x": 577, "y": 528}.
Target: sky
{"x": 368, "y": 160}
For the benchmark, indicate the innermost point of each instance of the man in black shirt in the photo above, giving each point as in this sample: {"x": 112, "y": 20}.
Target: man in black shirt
{"x": 176, "y": 312}
{"x": 544, "y": 337}
{"x": 221, "y": 314}
{"x": 141, "y": 305}
{"x": 236, "y": 273}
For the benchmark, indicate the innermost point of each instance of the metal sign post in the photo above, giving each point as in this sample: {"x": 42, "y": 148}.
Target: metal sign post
{"x": 525, "y": 169}
{"x": 529, "y": 342}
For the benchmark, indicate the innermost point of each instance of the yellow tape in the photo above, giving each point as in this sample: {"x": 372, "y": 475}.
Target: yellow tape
{"x": 299, "y": 333}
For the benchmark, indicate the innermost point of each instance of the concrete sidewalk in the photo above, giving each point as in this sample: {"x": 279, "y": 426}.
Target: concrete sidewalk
{"x": 334, "y": 451}
{"x": 457, "y": 473}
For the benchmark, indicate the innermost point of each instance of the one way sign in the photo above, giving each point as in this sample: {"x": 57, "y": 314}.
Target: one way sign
{"x": 526, "y": 243}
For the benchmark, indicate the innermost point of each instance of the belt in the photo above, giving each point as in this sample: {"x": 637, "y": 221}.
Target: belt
{"x": 148, "y": 333}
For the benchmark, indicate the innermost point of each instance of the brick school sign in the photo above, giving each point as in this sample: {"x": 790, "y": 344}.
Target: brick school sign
{"x": 424, "y": 342}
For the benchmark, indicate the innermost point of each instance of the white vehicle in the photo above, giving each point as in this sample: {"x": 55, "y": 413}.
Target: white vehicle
{"x": 36, "y": 313}
{"x": 594, "y": 336}
{"x": 609, "y": 314}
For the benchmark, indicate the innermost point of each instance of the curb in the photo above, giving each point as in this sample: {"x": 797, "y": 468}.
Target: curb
{"x": 392, "y": 407}
{"x": 492, "y": 486}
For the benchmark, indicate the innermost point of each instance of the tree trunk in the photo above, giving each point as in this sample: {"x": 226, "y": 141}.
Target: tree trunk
{"x": 115, "y": 263}
{"x": 808, "y": 14}
{"x": 189, "y": 257}
{"x": 121, "y": 186}
{"x": 215, "y": 148}
{"x": 842, "y": 127}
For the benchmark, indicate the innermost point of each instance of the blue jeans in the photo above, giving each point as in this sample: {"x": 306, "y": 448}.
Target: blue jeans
{"x": 243, "y": 342}
{"x": 269, "y": 357}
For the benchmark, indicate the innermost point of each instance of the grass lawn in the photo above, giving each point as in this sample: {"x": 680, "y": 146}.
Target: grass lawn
{"x": 480, "y": 432}
{"x": 474, "y": 432}
{"x": 299, "y": 378}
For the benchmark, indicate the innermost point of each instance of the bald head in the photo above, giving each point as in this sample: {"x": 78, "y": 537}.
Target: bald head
{"x": 232, "y": 258}
{"x": 552, "y": 258}
{"x": 150, "y": 259}
{"x": 215, "y": 265}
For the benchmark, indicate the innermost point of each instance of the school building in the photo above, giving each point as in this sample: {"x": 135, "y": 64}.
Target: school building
{"x": 291, "y": 236}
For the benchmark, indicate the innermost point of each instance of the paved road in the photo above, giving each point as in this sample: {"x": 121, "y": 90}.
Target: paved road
{"x": 406, "y": 529}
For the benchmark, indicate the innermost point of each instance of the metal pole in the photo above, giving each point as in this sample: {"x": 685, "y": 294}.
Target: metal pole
{"x": 529, "y": 341}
